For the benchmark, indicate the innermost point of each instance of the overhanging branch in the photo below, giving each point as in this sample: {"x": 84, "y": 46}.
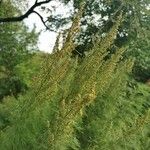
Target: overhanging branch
{"x": 22, "y": 17}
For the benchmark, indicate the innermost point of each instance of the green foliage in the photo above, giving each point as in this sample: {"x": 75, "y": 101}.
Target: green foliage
{"x": 46, "y": 116}
{"x": 98, "y": 18}
{"x": 71, "y": 104}
{"x": 16, "y": 47}
{"x": 119, "y": 119}
{"x": 142, "y": 54}
{"x": 31, "y": 67}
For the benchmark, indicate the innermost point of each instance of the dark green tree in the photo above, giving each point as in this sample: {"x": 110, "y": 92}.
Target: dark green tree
{"x": 17, "y": 45}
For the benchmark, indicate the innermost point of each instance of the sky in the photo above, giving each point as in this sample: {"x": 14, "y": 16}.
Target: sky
{"x": 46, "y": 39}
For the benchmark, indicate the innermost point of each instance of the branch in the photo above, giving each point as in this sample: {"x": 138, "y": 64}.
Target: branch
{"x": 22, "y": 17}
{"x": 44, "y": 22}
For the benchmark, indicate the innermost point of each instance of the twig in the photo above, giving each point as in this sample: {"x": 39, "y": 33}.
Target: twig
{"x": 44, "y": 22}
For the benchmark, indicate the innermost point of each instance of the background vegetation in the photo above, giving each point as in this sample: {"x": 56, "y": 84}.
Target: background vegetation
{"x": 93, "y": 93}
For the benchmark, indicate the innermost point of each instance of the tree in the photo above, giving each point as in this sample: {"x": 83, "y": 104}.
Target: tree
{"x": 60, "y": 106}
{"x": 134, "y": 30}
{"x": 51, "y": 111}
{"x": 16, "y": 42}
{"x": 32, "y": 10}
